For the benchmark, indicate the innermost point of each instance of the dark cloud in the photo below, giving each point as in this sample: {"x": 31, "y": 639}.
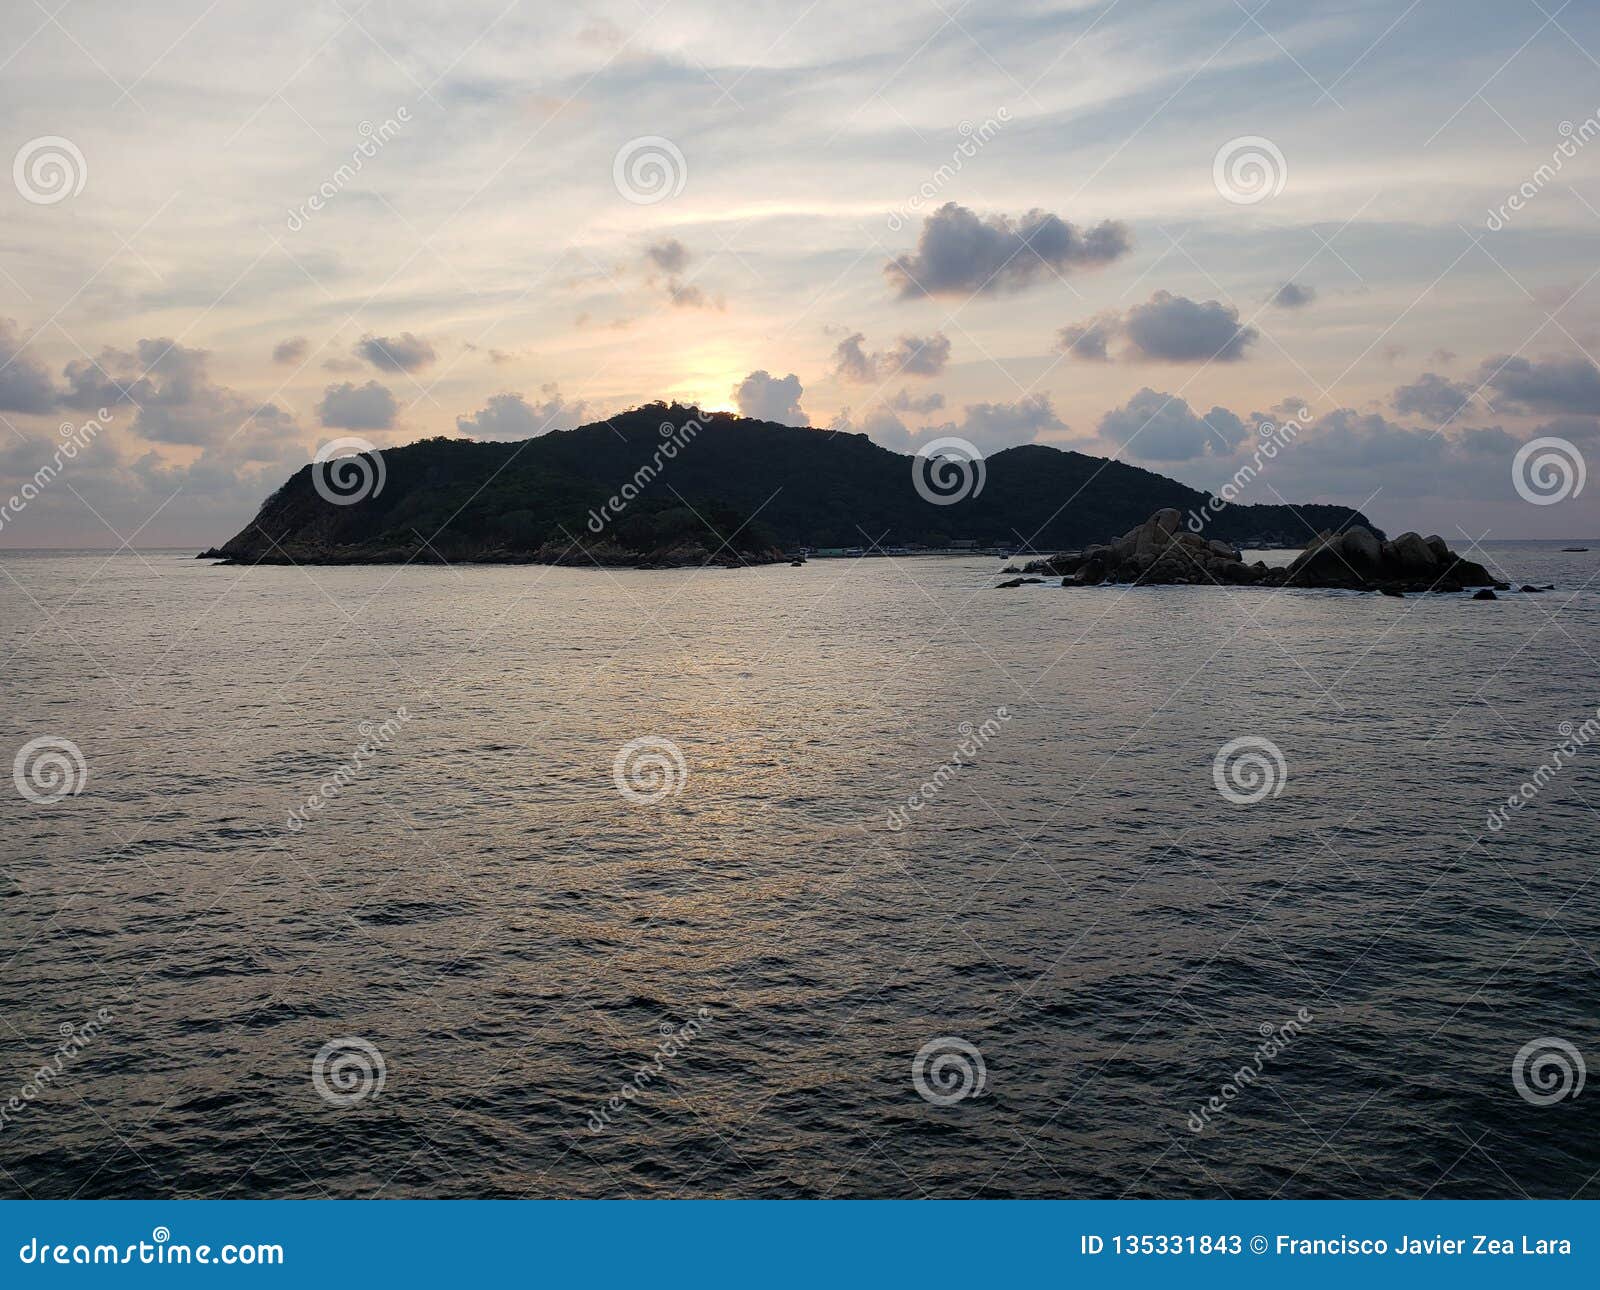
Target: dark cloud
{"x": 670, "y": 256}
{"x": 177, "y": 400}
{"x": 291, "y": 351}
{"x": 1292, "y": 295}
{"x": 1545, "y": 385}
{"x": 959, "y": 254}
{"x": 402, "y": 353}
{"x": 911, "y": 356}
{"x": 1162, "y": 427}
{"x": 1165, "y": 329}
{"x": 1090, "y": 340}
{"x": 351, "y": 407}
{"x": 510, "y": 416}
{"x": 769, "y": 398}
{"x": 905, "y": 401}
{"x": 1175, "y": 329}
{"x": 1433, "y": 397}
{"x": 25, "y": 386}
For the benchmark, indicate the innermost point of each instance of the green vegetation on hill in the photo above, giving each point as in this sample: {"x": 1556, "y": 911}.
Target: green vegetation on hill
{"x": 732, "y": 489}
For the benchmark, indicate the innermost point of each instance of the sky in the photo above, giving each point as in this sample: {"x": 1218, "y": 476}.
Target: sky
{"x": 1157, "y": 231}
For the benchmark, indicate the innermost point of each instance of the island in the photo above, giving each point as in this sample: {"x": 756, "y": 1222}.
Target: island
{"x": 667, "y": 485}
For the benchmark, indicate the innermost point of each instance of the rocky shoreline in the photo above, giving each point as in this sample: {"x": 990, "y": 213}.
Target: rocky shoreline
{"x": 1160, "y": 552}
{"x": 608, "y": 555}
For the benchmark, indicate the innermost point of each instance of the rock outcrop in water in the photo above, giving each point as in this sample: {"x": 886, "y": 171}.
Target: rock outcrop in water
{"x": 1162, "y": 552}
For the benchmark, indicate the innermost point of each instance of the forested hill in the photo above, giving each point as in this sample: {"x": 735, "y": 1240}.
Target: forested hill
{"x": 665, "y": 483}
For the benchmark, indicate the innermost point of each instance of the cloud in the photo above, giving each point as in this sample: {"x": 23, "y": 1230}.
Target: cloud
{"x": 671, "y": 256}
{"x": 769, "y": 398}
{"x": 351, "y": 407}
{"x": 1545, "y": 385}
{"x": 1165, "y": 329}
{"x": 988, "y": 426}
{"x": 1162, "y": 427}
{"x": 510, "y": 416}
{"x": 402, "y": 353}
{"x": 1175, "y": 329}
{"x": 905, "y": 401}
{"x": 1090, "y": 340}
{"x": 1292, "y": 295}
{"x": 177, "y": 400}
{"x": 25, "y": 386}
{"x": 291, "y": 351}
{"x": 911, "y": 355}
{"x": 1433, "y": 397}
{"x": 959, "y": 254}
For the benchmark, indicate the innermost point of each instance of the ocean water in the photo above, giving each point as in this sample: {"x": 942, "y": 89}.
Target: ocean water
{"x": 720, "y": 981}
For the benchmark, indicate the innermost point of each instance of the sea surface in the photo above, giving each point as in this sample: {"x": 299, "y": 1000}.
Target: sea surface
{"x": 478, "y": 967}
